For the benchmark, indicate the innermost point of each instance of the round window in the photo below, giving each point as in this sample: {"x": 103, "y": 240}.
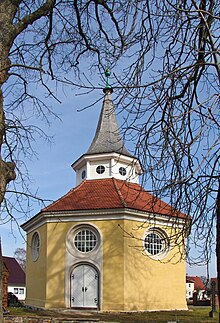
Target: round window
{"x": 122, "y": 171}
{"x": 85, "y": 240}
{"x": 100, "y": 169}
{"x": 83, "y": 175}
{"x": 35, "y": 246}
{"x": 155, "y": 243}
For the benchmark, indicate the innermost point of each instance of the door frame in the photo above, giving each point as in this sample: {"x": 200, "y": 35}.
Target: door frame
{"x": 98, "y": 286}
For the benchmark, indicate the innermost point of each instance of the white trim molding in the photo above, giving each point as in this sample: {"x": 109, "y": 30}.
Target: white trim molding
{"x": 102, "y": 215}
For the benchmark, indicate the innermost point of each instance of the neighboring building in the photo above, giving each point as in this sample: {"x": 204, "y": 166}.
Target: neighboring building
{"x": 16, "y": 280}
{"x": 189, "y": 288}
{"x": 106, "y": 244}
{"x": 195, "y": 284}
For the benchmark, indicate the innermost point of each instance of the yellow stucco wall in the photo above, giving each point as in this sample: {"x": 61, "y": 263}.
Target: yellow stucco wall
{"x": 129, "y": 280}
{"x": 36, "y": 271}
{"x": 113, "y": 265}
{"x": 161, "y": 282}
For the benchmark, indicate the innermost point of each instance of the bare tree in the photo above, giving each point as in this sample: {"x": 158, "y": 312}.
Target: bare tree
{"x": 40, "y": 43}
{"x": 171, "y": 98}
{"x": 167, "y": 85}
{"x": 20, "y": 256}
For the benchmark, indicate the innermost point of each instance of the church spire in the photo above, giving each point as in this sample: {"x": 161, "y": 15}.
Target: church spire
{"x": 107, "y": 156}
{"x": 107, "y": 137}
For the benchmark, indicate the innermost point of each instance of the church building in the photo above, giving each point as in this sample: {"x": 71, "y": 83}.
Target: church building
{"x": 107, "y": 244}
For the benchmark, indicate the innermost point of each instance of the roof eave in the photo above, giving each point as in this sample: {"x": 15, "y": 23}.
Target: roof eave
{"x": 121, "y": 213}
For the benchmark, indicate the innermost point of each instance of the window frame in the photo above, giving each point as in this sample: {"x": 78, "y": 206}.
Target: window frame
{"x": 87, "y": 230}
{"x": 35, "y": 246}
{"x": 122, "y": 171}
{"x": 83, "y": 174}
{"x": 100, "y": 169}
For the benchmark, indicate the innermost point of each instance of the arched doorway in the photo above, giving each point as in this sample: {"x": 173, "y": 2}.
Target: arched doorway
{"x": 84, "y": 287}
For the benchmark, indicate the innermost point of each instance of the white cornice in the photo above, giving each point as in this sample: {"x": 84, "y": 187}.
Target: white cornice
{"x": 101, "y": 215}
{"x": 103, "y": 156}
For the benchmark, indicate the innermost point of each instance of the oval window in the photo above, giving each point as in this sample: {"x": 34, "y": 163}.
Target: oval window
{"x": 100, "y": 169}
{"x": 122, "y": 171}
{"x": 35, "y": 246}
{"x": 155, "y": 243}
{"x": 83, "y": 175}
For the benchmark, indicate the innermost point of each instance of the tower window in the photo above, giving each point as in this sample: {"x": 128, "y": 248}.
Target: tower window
{"x": 100, "y": 169}
{"x": 83, "y": 175}
{"x": 122, "y": 171}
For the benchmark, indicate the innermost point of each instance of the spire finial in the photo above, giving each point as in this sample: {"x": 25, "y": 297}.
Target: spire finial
{"x": 108, "y": 87}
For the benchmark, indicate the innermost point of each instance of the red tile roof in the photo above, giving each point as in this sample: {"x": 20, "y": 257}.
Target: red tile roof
{"x": 111, "y": 193}
{"x": 198, "y": 284}
{"x": 16, "y": 273}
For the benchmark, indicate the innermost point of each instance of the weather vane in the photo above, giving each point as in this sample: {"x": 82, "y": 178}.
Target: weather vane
{"x": 107, "y": 71}
{"x": 107, "y": 74}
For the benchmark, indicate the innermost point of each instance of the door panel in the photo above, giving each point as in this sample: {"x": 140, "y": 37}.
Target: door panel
{"x": 76, "y": 287}
{"x": 84, "y": 287}
{"x": 91, "y": 287}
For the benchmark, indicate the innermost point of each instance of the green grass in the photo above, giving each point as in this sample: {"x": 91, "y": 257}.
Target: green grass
{"x": 194, "y": 315}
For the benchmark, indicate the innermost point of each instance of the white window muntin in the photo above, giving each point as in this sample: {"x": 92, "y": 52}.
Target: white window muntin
{"x": 86, "y": 239}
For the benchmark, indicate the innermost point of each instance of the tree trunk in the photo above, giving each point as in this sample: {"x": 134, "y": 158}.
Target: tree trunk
{"x": 7, "y": 169}
{"x": 218, "y": 242}
{"x": 1, "y": 284}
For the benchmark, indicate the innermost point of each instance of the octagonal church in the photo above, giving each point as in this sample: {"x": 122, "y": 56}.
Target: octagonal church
{"x": 107, "y": 244}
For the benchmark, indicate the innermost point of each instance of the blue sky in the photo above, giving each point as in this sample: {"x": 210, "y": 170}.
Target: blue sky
{"x": 51, "y": 171}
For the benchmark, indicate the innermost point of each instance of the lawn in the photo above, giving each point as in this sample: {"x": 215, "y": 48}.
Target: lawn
{"x": 194, "y": 315}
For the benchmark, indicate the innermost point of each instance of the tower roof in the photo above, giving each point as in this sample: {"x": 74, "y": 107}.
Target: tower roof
{"x": 107, "y": 137}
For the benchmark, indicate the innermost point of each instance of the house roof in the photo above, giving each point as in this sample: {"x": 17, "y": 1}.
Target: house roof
{"x": 107, "y": 138}
{"x": 198, "y": 284}
{"x": 111, "y": 193}
{"x": 16, "y": 273}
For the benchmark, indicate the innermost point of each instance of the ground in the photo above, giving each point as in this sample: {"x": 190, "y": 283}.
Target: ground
{"x": 194, "y": 315}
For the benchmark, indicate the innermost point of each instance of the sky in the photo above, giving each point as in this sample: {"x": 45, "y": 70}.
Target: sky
{"x": 51, "y": 172}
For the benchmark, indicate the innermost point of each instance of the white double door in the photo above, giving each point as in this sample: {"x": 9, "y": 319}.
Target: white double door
{"x": 84, "y": 287}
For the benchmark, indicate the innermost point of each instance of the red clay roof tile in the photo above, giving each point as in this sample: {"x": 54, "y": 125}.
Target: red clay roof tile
{"x": 111, "y": 193}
